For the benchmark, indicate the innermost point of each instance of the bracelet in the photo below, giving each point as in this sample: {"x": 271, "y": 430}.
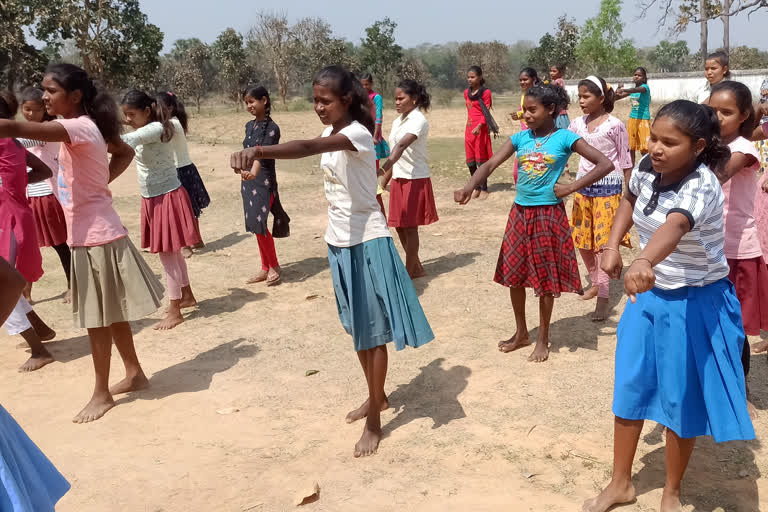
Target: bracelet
{"x": 644, "y": 259}
{"x": 606, "y": 248}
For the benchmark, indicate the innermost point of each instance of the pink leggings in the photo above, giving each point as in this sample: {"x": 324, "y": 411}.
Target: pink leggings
{"x": 596, "y": 274}
{"x": 175, "y": 273}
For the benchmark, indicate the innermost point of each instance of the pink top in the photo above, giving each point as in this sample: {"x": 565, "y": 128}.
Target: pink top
{"x": 741, "y": 238}
{"x": 15, "y": 213}
{"x": 83, "y": 186}
{"x": 612, "y": 140}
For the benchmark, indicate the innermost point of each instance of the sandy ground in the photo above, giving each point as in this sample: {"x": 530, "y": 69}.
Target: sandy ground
{"x": 469, "y": 429}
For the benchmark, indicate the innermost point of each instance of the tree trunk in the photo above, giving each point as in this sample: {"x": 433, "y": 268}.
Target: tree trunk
{"x": 726, "y": 26}
{"x": 704, "y": 31}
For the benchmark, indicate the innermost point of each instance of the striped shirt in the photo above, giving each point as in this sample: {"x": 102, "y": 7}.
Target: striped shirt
{"x": 699, "y": 258}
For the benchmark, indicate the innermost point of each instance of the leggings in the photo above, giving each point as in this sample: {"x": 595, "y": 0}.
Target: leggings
{"x": 17, "y": 322}
{"x": 65, "y": 256}
{"x": 267, "y": 246}
{"x": 175, "y": 273}
{"x": 596, "y": 274}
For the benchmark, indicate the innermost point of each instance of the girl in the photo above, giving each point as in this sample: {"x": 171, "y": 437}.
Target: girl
{"x": 30, "y": 483}
{"x": 761, "y": 214}
{"x": 716, "y": 70}
{"x": 480, "y": 123}
{"x": 49, "y": 217}
{"x": 168, "y": 222}
{"x": 528, "y": 78}
{"x": 376, "y": 300}
{"x": 680, "y": 337}
{"x": 18, "y": 239}
{"x": 411, "y": 200}
{"x": 377, "y": 110}
{"x": 733, "y": 103}
{"x": 556, "y": 74}
{"x": 111, "y": 283}
{"x": 537, "y": 250}
{"x": 595, "y": 206}
{"x": 260, "y": 195}
{"x": 639, "y": 124}
{"x": 188, "y": 175}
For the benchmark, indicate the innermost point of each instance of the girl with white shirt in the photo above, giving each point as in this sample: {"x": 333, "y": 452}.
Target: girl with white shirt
{"x": 168, "y": 222}
{"x": 411, "y": 200}
{"x": 376, "y": 300}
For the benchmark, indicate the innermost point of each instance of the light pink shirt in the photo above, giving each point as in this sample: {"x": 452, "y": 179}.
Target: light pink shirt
{"x": 741, "y": 237}
{"x": 83, "y": 186}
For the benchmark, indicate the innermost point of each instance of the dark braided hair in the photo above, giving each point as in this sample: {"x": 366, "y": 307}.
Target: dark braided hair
{"x": 344, "y": 84}
{"x": 699, "y": 122}
{"x": 550, "y": 96}
{"x": 259, "y": 92}
{"x": 141, "y": 101}
{"x": 175, "y": 108}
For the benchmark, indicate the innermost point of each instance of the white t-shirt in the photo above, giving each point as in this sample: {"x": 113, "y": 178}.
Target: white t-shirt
{"x": 354, "y": 215}
{"x": 412, "y": 165}
{"x": 179, "y": 143}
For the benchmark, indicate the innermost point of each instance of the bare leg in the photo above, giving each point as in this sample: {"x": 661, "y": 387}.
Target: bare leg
{"x": 362, "y": 411}
{"x": 188, "y": 299}
{"x": 541, "y": 350}
{"x": 40, "y": 355}
{"x": 626, "y": 434}
{"x": 678, "y": 454}
{"x": 760, "y": 347}
{"x": 377, "y": 371}
{"x": 416, "y": 269}
{"x": 41, "y": 328}
{"x": 520, "y": 339}
{"x": 101, "y": 401}
{"x": 134, "y": 376}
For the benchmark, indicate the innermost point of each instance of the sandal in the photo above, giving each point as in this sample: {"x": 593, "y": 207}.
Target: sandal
{"x": 273, "y": 279}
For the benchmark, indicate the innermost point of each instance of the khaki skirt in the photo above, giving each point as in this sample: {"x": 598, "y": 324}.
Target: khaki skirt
{"x": 112, "y": 283}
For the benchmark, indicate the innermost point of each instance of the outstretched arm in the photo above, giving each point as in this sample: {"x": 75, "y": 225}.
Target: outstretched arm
{"x": 243, "y": 160}
{"x": 736, "y": 164}
{"x": 463, "y": 195}
{"x": 48, "y": 132}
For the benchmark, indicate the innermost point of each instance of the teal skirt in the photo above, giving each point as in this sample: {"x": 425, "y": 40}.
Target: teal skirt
{"x": 382, "y": 149}
{"x": 375, "y": 297}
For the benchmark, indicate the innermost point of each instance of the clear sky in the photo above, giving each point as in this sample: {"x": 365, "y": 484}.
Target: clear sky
{"x": 433, "y": 22}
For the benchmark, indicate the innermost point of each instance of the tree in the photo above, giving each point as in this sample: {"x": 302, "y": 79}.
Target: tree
{"x": 19, "y": 61}
{"x": 744, "y": 57}
{"x": 313, "y": 47}
{"x": 379, "y": 54}
{"x": 492, "y": 57}
{"x": 670, "y": 57}
{"x": 439, "y": 61}
{"x": 559, "y": 49}
{"x": 602, "y": 48}
{"x": 191, "y": 74}
{"x": 272, "y": 37}
{"x": 230, "y": 61}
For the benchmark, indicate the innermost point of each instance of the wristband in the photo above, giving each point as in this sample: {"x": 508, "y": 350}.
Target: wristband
{"x": 606, "y": 248}
{"x": 644, "y": 259}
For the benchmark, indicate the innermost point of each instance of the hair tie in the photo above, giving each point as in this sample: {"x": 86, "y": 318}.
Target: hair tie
{"x": 596, "y": 81}
{"x": 170, "y": 94}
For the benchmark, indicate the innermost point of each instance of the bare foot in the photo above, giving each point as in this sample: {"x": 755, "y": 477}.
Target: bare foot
{"x": 187, "y": 252}
{"x": 129, "y": 384}
{"x": 362, "y": 411}
{"x": 187, "y": 298}
{"x": 752, "y": 409}
{"x": 67, "y": 297}
{"x": 670, "y": 501}
{"x": 368, "y": 443}
{"x": 173, "y": 319}
{"x": 36, "y": 361}
{"x": 540, "y": 352}
{"x": 483, "y": 195}
{"x": 96, "y": 408}
{"x": 417, "y": 272}
{"x": 589, "y": 294}
{"x": 475, "y": 194}
{"x": 760, "y": 347}
{"x": 258, "y": 278}
{"x": 42, "y": 330}
{"x": 517, "y": 341}
{"x": 601, "y": 310}
{"x": 614, "y": 494}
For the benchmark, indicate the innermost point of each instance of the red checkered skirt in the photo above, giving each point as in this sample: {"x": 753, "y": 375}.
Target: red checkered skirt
{"x": 537, "y": 251}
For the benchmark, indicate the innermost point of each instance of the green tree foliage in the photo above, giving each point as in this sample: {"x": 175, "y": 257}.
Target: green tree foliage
{"x": 745, "y": 57}
{"x": 231, "y": 64}
{"x": 19, "y": 61}
{"x": 670, "y": 57}
{"x": 492, "y": 57}
{"x": 440, "y": 62}
{"x": 313, "y": 47}
{"x": 602, "y": 49}
{"x": 189, "y": 73}
{"x": 379, "y": 53}
{"x": 559, "y": 49}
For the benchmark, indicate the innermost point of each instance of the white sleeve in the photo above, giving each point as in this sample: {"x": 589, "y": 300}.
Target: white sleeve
{"x": 416, "y": 125}
{"x": 359, "y": 136}
{"x": 29, "y": 143}
{"x": 144, "y": 135}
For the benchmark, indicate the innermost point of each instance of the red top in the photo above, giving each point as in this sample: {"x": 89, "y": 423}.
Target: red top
{"x": 474, "y": 113}
{"x": 15, "y": 213}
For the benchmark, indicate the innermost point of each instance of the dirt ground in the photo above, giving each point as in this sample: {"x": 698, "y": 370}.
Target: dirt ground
{"x": 232, "y": 422}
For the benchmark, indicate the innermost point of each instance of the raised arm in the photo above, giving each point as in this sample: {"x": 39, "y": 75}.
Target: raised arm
{"x": 147, "y": 134}
{"x": 736, "y": 164}
{"x": 48, "y": 132}
{"x": 463, "y": 195}
{"x": 244, "y": 159}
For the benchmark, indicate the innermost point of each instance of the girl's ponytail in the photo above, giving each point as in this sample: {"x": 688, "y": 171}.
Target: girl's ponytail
{"x": 716, "y": 153}
{"x": 175, "y": 108}
{"x": 345, "y": 85}
{"x": 417, "y": 92}
{"x": 97, "y": 103}
{"x": 158, "y": 111}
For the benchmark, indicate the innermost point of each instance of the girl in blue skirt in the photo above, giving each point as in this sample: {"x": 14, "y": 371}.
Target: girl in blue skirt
{"x": 376, "y": 300}
{"x": 678, "y": 357}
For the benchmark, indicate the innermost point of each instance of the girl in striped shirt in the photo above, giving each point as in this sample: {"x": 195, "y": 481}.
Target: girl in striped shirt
{"x": 678, "y": 356}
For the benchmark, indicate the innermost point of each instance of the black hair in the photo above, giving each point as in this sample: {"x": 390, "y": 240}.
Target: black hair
{"x": 549, "y": 95}
{"x": 157, "y": 111}
{"x": 417, "y": 92}
{"x": 722, "y": 58}
{"x": 97, "y": 104}
{"x": 478, "y": 71}
{"x": 366, "y": 76}
{"x": 258, "y": 92}
{"x": 35, "y": 95}
{"x": 8, "y": 105}
{"x": 531, "y": 73}
{"x": 699, "y": 122}
{"x": 345, "y": 85}
{"x": 607, "y": 92}
{"x": 644, "y": 72}
{"x": 175, "y": 108}
{"x": 744, "y": 101}
{"x": 560, "y": 67}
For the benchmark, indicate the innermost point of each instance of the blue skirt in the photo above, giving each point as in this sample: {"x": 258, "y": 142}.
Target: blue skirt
{"x": 30, "y": 483}
{"x": 562, "y": 122}
{"x": 192, "y": 182}
{"x": 375, "y": 296}
{"x": 678, "y": 362}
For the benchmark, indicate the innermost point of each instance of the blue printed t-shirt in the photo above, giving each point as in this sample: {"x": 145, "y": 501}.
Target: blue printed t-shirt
{"x": 538, "y": 169}
{"x": 641, "y": 103}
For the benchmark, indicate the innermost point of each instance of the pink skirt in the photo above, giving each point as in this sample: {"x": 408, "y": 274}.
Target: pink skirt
{"x": 411, "y": 203}
{"x": 49, "y": 220}
{"x": 168, "y": 222}
{"x": 750, "y": 278}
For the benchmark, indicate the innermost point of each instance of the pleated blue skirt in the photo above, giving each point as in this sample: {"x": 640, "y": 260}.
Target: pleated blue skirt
{"x": 30, "y": 483}
{"x": 678, "y": 362}
{"x": 375, "y": 297}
